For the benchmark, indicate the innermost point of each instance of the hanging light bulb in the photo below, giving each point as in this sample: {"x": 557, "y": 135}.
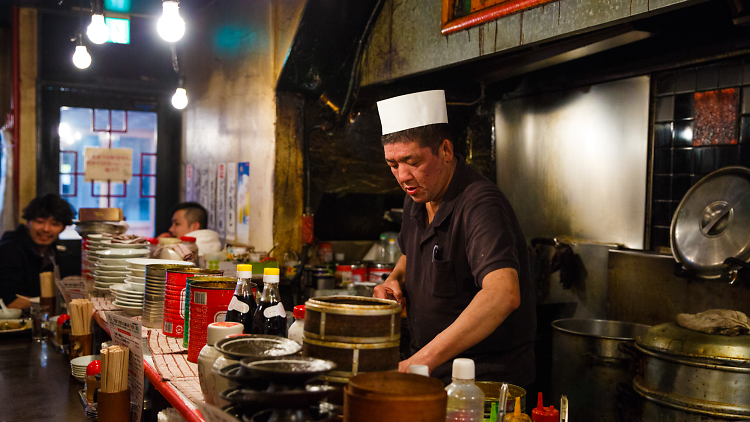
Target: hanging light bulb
{"x": 171, "y": 27}
{"x": 180, "y": 99}
{"x": 81, "y": 57}
{"x": 98, "y": 31}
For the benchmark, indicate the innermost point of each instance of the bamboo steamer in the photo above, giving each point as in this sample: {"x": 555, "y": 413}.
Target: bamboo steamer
{"x": 352, "y": 319}
{"x": 394, "y": 397}
{"x": 360, "y": 334}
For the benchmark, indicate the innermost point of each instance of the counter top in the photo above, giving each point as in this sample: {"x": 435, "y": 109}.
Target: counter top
{"x": 35, "y": 382}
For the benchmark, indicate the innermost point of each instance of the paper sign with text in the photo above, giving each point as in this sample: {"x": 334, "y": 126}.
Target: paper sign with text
{"x": 231, "y": 201}
{"x": 212, "y": 169}
{"x": 102, "y": 164}
{"x": 72, "y": 287}
{"x": 189, "y": 183}
{"x": 221, "y": 200}
{"x": 127, "y": 332}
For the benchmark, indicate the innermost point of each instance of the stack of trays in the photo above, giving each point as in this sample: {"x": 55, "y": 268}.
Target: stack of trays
{"x": 78, "y": 366}
{"x": 153, "y": 299}
{"x": 127, "y": 298}
{"x": 111, "y": 266}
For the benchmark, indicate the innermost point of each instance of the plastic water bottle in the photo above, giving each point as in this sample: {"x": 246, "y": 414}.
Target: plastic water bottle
{"x": 465, "y": 399}
{"x": 393, "y": 252}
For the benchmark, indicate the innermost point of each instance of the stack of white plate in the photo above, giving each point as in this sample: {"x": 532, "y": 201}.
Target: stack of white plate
{"x": 78, "y": 366}
{"x": 112, "y": 267}
{"x": 153, "y": 283}
{"x": 127, "y": 299}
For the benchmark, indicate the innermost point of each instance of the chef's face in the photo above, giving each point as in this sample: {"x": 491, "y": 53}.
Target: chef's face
{"x": 44, "y": 231}
{"x": 423, "y": 175}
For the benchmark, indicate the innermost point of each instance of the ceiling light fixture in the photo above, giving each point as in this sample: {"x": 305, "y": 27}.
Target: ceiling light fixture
{"x": 98, "y": 31}
{"x": 180, "y": 99}
{"x": 171, "y": 26}
{"x": 81, "y": 57}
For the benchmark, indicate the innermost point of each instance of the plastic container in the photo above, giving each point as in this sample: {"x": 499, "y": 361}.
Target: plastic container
{"x": 393, "y": 253}
{"x": 544, "y": 414}
{"x": 209, "y": 354}
{"x": 297, "y": 330}
{"x": 92, "y": 370}
{"x": 189, "y": 243}
{"x": 517, "y": 416}
{"x": 465, "y": 399}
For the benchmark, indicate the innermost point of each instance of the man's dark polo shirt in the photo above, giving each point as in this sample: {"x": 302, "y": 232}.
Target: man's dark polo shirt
{"x": 475, "y": 232}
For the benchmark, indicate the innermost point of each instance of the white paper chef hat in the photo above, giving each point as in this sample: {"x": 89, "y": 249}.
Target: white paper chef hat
{"x": 412, "y": 110}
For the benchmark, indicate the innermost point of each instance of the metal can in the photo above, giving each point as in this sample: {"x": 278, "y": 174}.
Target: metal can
{"x": 380, "y": 271}
{"x": 359, "y": 273}
{"x": 174, "y": 294}
{"x": 209, "y": 300}
{"x": 343, "y": 275}
{"x": 325, "y": 252}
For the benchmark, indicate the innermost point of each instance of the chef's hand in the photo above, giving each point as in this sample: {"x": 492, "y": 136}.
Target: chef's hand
{"x": 391, "y": 289}
{"x": 165, "y": 234}
{"x": 417, "y": 359}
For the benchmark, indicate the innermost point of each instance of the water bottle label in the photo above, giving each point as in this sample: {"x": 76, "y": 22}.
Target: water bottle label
{"x": 238, "y": 305}
{"x": 273, "y": 311}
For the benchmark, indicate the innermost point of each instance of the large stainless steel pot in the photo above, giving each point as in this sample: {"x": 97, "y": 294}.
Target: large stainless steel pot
{"x": 587, "y": 365}
{"x": 687, "y": 372}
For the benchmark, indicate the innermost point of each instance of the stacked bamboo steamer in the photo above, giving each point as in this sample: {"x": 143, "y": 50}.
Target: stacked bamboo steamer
{"x": 359, "y": 334}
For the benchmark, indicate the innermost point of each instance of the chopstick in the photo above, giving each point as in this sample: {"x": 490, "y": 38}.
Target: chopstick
{"x": 47, "y": 284}
{"x": 114, "y": 369}
{"x": 80, "y": 316}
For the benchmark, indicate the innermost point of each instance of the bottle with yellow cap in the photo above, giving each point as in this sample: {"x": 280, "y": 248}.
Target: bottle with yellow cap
{"x": 517, "y": 416}
{"x": 242, "y": 307}
{"x": 270, "y": 316}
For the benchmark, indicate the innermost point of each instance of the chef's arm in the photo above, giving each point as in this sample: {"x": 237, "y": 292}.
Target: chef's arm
{"x": 500, "y": 295}
{"x": 391, "y": 288}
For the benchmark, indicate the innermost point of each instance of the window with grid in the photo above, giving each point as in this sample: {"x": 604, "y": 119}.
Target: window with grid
{"x": 701, "y": 124}
{"x": 85, "y": 127}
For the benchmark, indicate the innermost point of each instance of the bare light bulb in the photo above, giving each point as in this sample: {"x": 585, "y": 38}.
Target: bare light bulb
{"x": 180, "y": 99}
{"x": 171, "y": 27}
{"x": 98, "y": 31}
{"x": 81, "y": 58}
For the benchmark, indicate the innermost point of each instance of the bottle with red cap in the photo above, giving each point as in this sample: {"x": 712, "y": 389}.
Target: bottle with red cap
{"x": 544, "y": 414}
{"x": 92, "y": 370}
{"x": 63, "y": 331}
{"x": 297, "y": 330}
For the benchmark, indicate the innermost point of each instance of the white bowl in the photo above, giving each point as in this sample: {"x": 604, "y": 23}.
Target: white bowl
{"x": 140, "y": 287}
{"x": 106, "y": 279}
{"x": 140, "y": 263}
{"x": 83, "y": 361}
{"x": 137, "y": 273}
{"x": 11, "y": 313}
{"x": 121, "y": 253}
{"x": 118, "y": 274}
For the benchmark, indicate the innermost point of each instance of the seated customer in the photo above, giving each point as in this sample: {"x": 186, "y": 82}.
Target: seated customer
{"x": 30, "y": 249}
{"x": 191, "y": 219}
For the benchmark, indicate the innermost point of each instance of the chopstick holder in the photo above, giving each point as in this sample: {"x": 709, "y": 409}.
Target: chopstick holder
{"x": 80, "y": 345}
{"x": 113, "y": 407}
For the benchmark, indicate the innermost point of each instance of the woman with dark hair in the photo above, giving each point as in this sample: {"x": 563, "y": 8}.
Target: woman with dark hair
{"x": 30, "y": 249}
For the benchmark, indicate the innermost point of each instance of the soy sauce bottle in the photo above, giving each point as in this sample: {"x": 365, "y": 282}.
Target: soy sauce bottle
{"x": 242, "y": 307}
{"x": 270, "y": 316}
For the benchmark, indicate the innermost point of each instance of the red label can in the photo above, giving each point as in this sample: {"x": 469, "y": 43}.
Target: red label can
{"x": 359, "y": 273}
{"x": 176, "y": 279}
{"x": 209, "y": 301}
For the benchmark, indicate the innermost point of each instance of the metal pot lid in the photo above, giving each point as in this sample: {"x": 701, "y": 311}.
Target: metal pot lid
{"x": 672, "y": 339}
{"x": 712, "y": 222}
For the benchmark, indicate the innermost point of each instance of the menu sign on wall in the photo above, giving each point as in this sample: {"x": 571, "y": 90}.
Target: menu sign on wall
{"x": 107, "y": 164}
{"x": 212, "y": 196}
{"x": 243, "y": 202}
{"x": 231, "y": 201}
{"x": 189, "y": 170}
{"x": 204, "y": 186}
{"x": 221, "y": 199}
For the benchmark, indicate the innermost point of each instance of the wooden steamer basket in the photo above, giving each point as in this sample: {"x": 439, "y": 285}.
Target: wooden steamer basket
{"x": 394, "y": 397}
{"x": 359, "y": 334}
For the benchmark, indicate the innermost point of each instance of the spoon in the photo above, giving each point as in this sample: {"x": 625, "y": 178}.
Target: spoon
{"x": 2, "y": 305}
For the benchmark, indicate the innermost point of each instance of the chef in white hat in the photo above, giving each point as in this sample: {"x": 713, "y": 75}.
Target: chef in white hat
{"x": 464, "y": 276}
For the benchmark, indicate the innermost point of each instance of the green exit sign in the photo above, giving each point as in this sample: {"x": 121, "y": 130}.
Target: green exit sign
{"x": 119, "y": 30}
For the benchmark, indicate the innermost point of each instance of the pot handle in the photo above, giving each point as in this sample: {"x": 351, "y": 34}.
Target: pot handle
{"x": 629, "y": 349}
{"x": 731, "y": 267}
{"x": 595, "y": 360}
